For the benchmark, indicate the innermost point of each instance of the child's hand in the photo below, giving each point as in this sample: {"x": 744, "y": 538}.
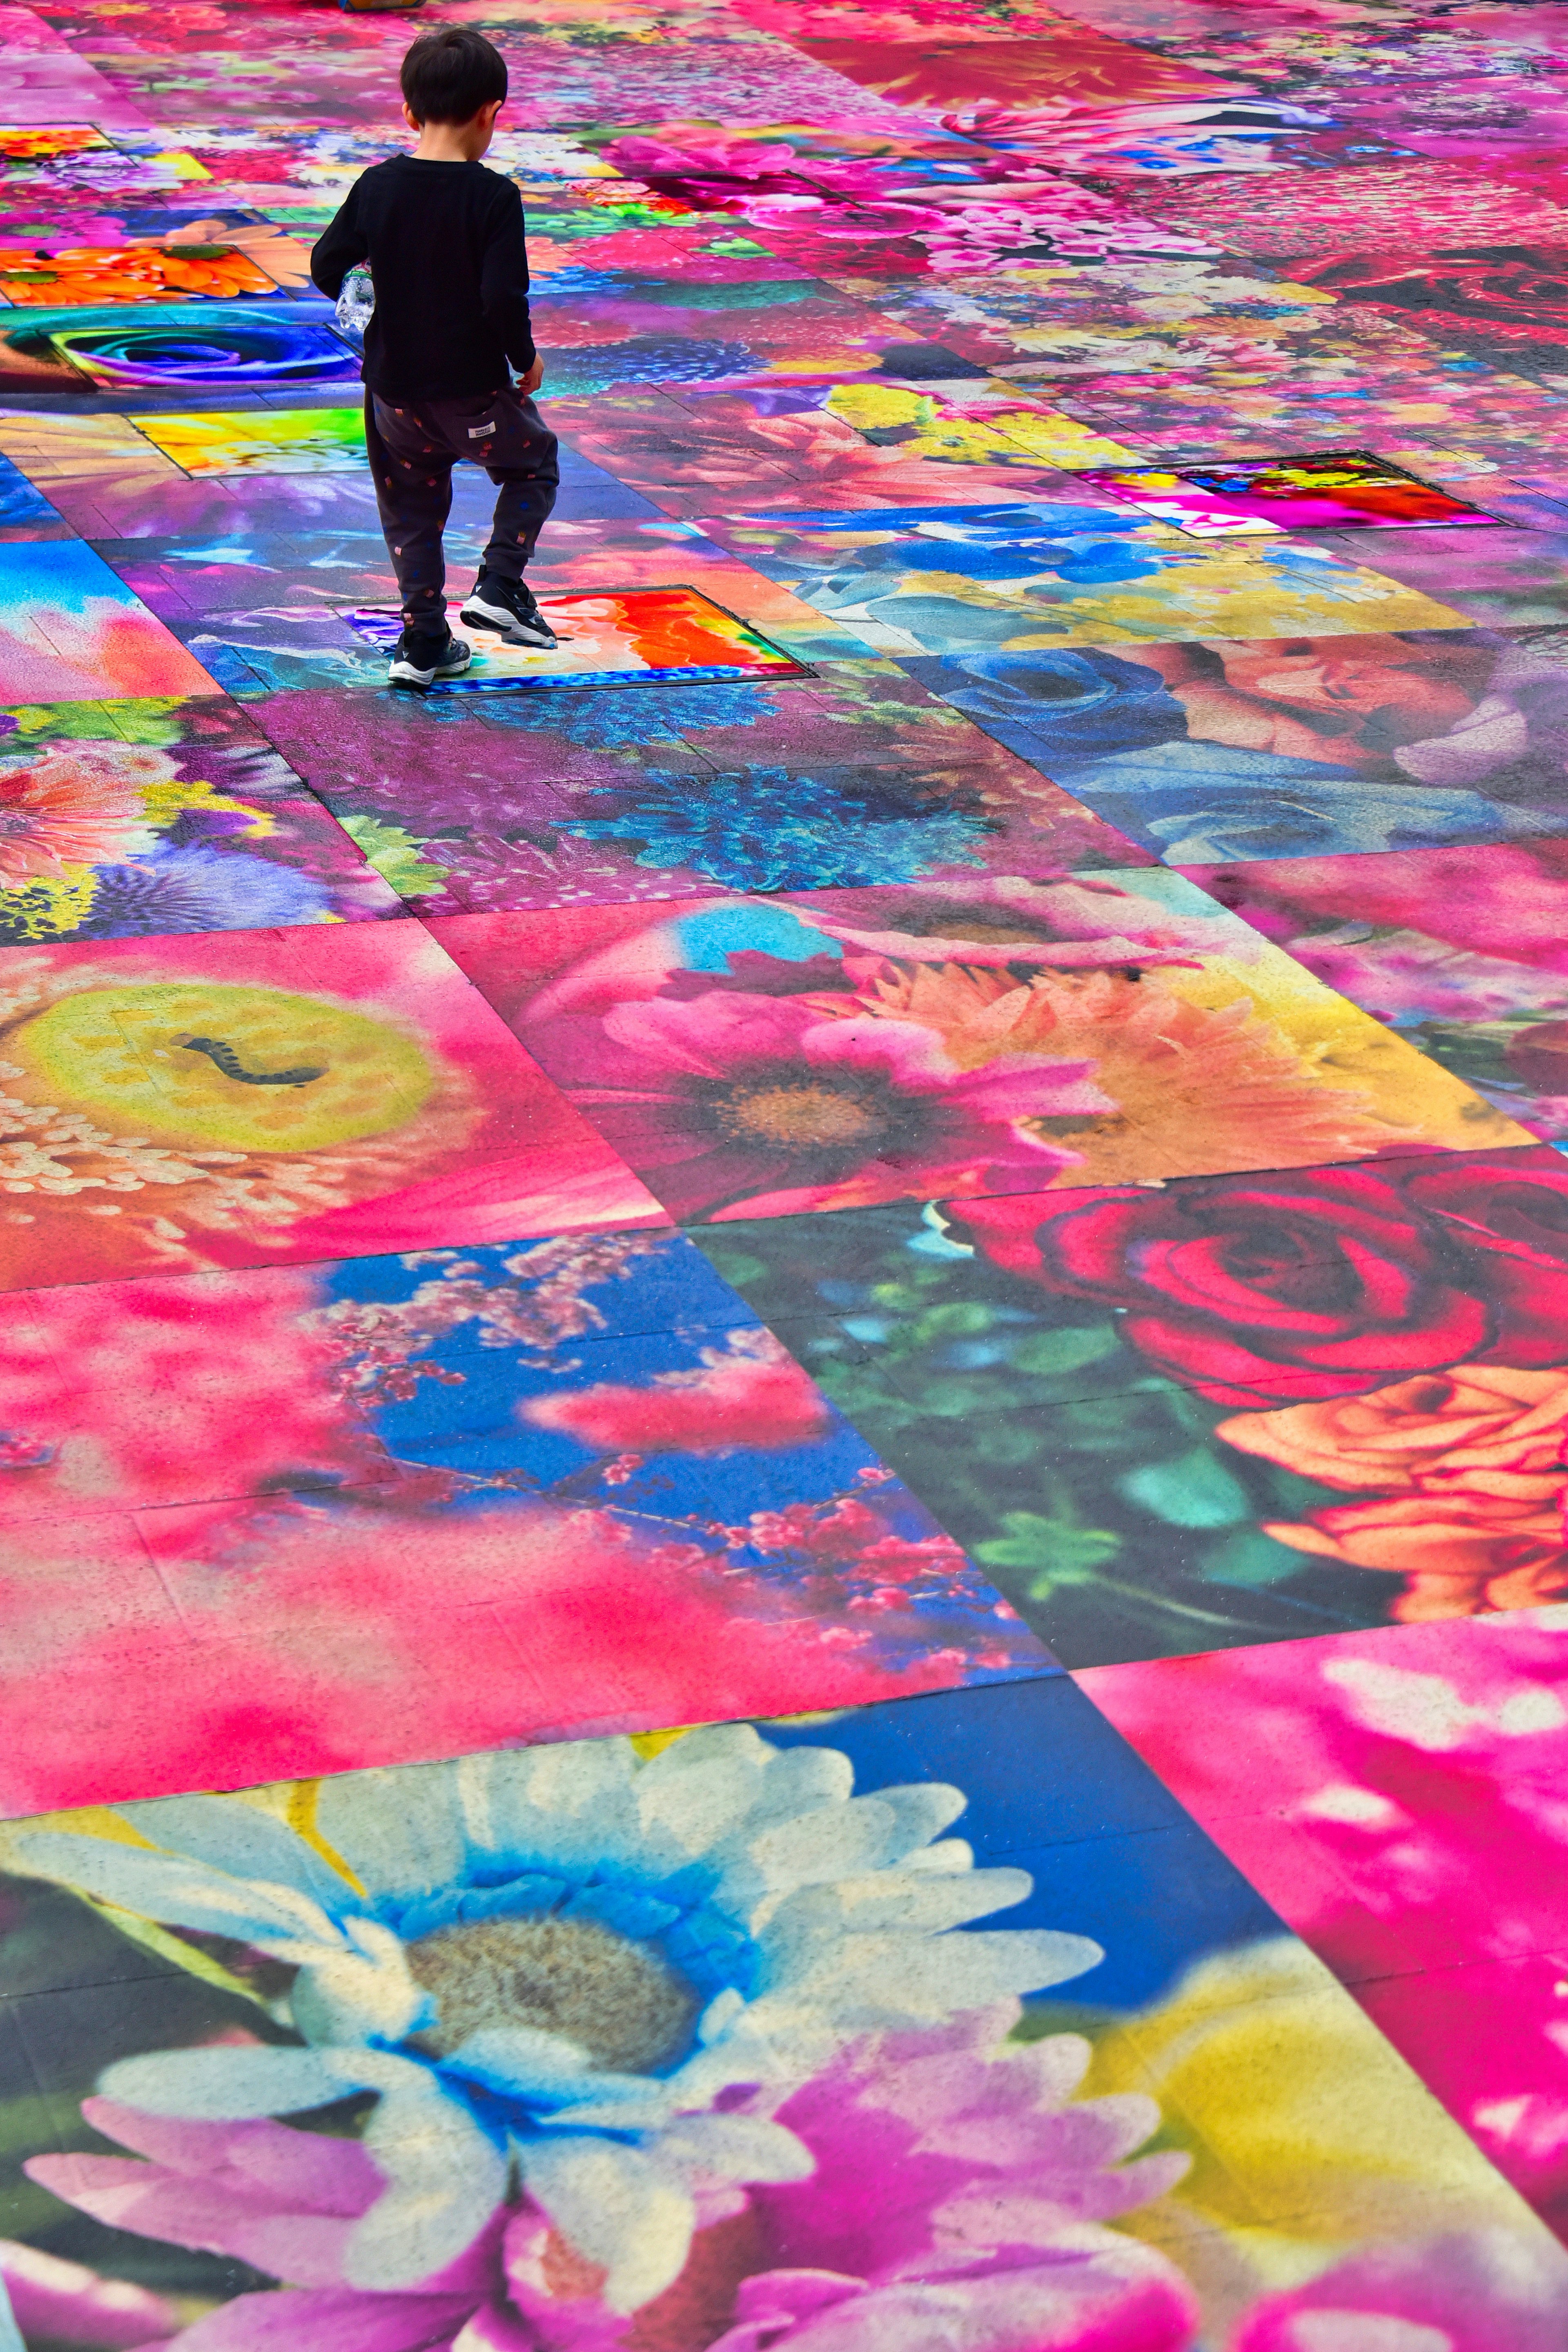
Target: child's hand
{"x": 533, "y": 379}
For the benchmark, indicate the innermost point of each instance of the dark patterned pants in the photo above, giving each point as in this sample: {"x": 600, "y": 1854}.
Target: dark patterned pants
{"x": 413, "y": 448}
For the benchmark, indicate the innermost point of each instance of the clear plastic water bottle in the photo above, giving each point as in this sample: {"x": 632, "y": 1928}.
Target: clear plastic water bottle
{"x": 356, "y": 301}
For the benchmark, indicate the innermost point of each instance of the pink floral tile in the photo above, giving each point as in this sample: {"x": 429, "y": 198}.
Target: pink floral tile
{"x": 832, "y": 1049}
{"x": 1408, "y": 1829}
{"x": 390, "y": 1508}
{"x": 272, "y": 1097}
{"x": 1460, "y": 950}
{"x": 135, "y": 819}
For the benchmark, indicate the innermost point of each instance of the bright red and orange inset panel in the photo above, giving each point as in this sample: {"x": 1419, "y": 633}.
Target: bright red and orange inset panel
{"x": 643, "y": 636}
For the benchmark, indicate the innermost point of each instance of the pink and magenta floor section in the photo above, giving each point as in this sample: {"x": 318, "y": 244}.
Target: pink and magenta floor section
{"x": 784, "y": 1404}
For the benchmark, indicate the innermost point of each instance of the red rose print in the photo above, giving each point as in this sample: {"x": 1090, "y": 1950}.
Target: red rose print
{"x": 1513, "y": 1202}
{"x": 1266, "y": 1291}
{"x": 1500, "y": 293}
{"x": 1513, "y": 1207}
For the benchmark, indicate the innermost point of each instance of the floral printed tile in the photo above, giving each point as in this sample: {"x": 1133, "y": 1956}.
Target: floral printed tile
{"x": 869, "y": 712}
{"x": 1126, "y": 314}
{"x": 55, "y": 86}
{"x": 984, "y": 85}
{"x": 341, "y": 562}
{"x": 833, "y": 203}
{"x": 856, "y": 445}
{"x": 62, "y": 452}
{"x": 240, "y": 476}
{"x": 1302, "y": 349}
{"x": 429, "y": 1502}
{"x": 70, "y": 631}
{"x": 799, "y": 825}
{"x": 284, "y": 153}
{"x": 1291, "y": 747}
{"x": 642, "y": 830}
{"x": 964, "y": 579}
{"x": 76, "y": 159}
{"x": 1515, "y": 578}
{"x": 572, "y": 742}
{"x": 1506, "y": 303}
{"x": 913, "y": 20}
{"x": 853, "y": 776}
{"x": 648, "y": 234}
{"x": 1083, "y": 1989}
{"x": 838, "y": 1048}
{"x": 632, "y": 637}
{"x": 625, "y": 329}
{"x": 1441, "y": 417}
{"x": 74, "y": 221}
{"x": 133, "y": 819}
{"x": 1212, "y": 1414}
{"x": 1267, "y": 132}
{"x": 177, "y": 85}
{"x": 1492, "y": 123}
{"x": 1328, "y": 42}
{"x": 1387, "y": 203}
{"x": 1409, "y": 1834}
{"x": 21, "y": 31}
{"x": 188, "y": 516}
{"x": 1459, "y": 950}
{"x": 270, "y": 1097}
{"x": 92, "y": 276}
{"x": 733, "y": 82}
{"x": 940, "y": 233}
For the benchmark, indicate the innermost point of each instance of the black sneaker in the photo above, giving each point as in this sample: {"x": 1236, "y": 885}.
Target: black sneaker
{"x": 507, "y": 607}
{"x": 420, "y": 661}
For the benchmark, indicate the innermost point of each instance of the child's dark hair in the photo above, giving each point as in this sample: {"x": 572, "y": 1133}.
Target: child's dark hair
{"x": 448, "y": 75}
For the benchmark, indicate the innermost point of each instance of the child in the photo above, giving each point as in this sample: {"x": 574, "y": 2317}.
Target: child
{"x": 444, "y": 240}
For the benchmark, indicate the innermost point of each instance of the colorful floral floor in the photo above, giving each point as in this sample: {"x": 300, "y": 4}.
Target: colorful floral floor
{"x": 918, "y": 1189}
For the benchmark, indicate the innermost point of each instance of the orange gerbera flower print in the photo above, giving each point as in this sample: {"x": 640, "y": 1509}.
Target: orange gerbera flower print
{"x": 1196, "y": 1090}
{"x": 127, "y": 273}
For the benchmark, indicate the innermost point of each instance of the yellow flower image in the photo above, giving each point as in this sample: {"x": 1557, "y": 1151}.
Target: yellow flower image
{"x": 237, "y": 1069}
{"x": 972, "y": 431}
{"x": 1308, "y": 2133}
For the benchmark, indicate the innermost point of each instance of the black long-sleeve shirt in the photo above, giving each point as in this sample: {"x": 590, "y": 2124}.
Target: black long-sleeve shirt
{"x": 446, "y": 248}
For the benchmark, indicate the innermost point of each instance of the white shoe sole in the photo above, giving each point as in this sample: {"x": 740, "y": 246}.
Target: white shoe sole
{"x": 478, "y": 614}
{"x": 402, "y": 673}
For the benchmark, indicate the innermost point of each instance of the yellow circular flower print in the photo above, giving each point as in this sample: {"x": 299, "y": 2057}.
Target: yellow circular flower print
{"x": 230, "y": 1069}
